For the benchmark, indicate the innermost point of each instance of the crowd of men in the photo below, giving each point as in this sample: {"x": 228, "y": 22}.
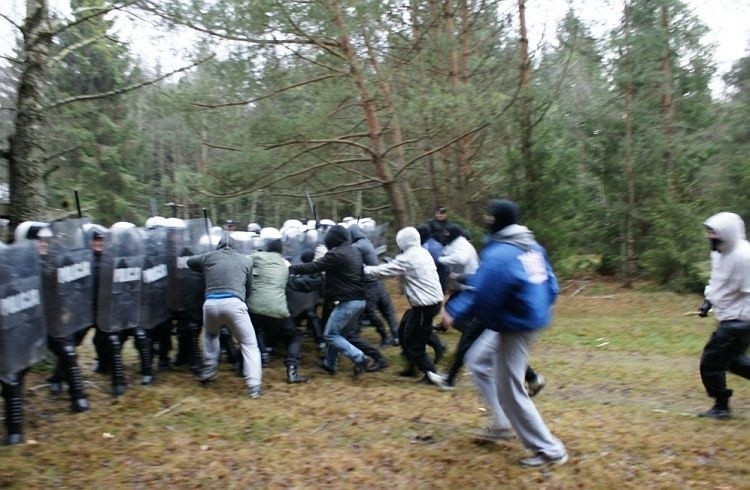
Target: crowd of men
{"x": 256, "y": 291}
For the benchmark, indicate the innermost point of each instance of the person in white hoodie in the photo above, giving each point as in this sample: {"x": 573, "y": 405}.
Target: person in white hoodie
{"x": 421, "y": 284}
{"x": 728, "y": 292}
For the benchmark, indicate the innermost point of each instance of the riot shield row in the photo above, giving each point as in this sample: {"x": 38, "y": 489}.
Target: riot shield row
{"x": 47, "y": 284}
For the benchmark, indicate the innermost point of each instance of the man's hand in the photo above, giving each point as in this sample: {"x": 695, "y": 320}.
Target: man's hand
{"x": 704, "y": 308}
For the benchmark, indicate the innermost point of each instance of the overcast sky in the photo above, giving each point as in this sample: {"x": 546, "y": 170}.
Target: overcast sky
{"x": 728, "y": 21}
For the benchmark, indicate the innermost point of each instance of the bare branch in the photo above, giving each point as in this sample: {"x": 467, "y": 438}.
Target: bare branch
{"x": 12, "y": 60}
{"x": 220, "y": 147}
{"x": 228, "y": 36}
{"x": 438, "y": 148}
{"x": 61, "y": 153}
{"x": 69, "y": 49}
{"x": 97, "y": 12}
{"x": 10, "y": 21}
{"x": 123, "y": 90}
{"x": 268, "y": 95}
{"x": 323, "y": 142}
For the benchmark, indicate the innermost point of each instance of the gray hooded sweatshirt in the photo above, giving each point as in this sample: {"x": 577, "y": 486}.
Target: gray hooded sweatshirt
{"x": 416, "y": 267}
{"x": 729, "y": 287}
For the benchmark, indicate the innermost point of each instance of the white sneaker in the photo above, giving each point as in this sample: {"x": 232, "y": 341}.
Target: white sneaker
{"x": 440, "y": 380}
{"x": 491, "y": 434}
{"x": 541, "y": 459}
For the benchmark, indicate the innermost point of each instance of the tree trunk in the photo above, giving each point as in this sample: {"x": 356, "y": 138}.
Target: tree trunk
{"x": 26, "y": 153}
{"x": 667, "y": 104}
{"x": 630, "y": 209}
{"x": 530, "y": 170}
{"x": 401, "y": 213}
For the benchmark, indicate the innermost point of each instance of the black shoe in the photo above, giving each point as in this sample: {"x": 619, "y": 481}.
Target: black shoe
{"x": 293, "y": 376}
{"x": 424, "y": 380}
{"x": 80, "y": 405}
{"x": 118, "y": 390}
{"x": 377, "y": 365}
{"x": 409, "y": 372}
{"x": 55, "y": 388}
{"x": 359, "y": 368}
{"x": 322, "y": 364}
{"x": 717, "y": 413}
{"x": 388, "y": 342}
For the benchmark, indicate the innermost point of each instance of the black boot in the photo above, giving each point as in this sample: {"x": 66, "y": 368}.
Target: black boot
{"x": 196, "y": 355}
{"x": 118, "y": 370}
{"x": 720, "y": 410}
{"x": 13, "y": 410}
{"x": 78, "y": 400}
{"x": 292, "y": 376}
{"x": 409, "y": 372}
{"x": 144, "y": 346}
{"x": 377, "y": 365}
{"x": 313, "y": 322}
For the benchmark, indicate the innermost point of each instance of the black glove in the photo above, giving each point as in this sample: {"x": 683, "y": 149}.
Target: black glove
{"x": 705, "y": 307}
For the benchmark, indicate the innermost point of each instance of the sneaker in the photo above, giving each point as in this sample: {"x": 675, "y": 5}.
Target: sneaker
{"x": 208, "y": 374}
{"x": 359, "y": 368}
{"x": 535, "y": 386}
{"x": 147, "y": 379}
{"x": 541, "y": 459}
{"x": 378, "y": 365}
{"x": 717, "y": 413}
{"x": 441, "y": 380}
{"x": 254, "y": 392}
{"x": 388, "y": 342}
{"x": 492, "y": 434}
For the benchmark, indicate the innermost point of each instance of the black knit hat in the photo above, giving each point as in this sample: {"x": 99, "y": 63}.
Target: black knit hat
{"x": 503, "y": 213}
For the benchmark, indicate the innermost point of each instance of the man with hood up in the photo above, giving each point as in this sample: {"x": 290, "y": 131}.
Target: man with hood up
{"x": 512, "y": 295}
{"x": 228, "y": 276}
{"x": 421, "y": 284}
{"x": 728, "y": 292}
{"x": 343, "y": 292}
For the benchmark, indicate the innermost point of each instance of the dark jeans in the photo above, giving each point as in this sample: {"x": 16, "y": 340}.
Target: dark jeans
{"x": 725, "y": 351}
{"x": 417, "y": 329}
{"x": 378, "y": 301}
{"x": 275, "y": 330}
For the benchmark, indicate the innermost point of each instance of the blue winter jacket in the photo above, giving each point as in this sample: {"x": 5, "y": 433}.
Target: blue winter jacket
{"x": 514, "y": 287}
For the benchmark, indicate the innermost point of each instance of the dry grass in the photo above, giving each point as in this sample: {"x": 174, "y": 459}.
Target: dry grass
{"x": 623, "y": 386}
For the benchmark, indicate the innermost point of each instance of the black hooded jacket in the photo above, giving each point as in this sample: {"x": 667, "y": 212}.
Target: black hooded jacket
{"x": 342, "y": 265}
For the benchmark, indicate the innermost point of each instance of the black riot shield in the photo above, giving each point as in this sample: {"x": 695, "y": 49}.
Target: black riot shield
{"x": 187, "y": 287}
{"x": 68, "y": 282}
{"x": 120, "y": 280}
{"x": 154, "y": 308}
{"x": 23, "y": 331}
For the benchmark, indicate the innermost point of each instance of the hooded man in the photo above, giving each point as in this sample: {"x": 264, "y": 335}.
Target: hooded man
{"x": 421, "y": 284}
{"x": 343, "y": 292}
{"x": 728, "y": 292}
{"x": 377, "y": 297}
{"x": 511, "y": 294}
{"x": 228, "y": 276}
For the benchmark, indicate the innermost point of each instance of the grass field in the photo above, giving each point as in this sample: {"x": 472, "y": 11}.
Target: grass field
{"x": 622, "y": 392}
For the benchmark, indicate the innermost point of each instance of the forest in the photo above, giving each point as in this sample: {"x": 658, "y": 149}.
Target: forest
{"x": 614, "y": 146}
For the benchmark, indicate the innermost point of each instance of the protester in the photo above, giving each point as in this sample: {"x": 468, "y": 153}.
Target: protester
{"x": 512, "y": 294}
{"x": 268, "y": 306}
{"x": 343, "y": 292}
{"x": 421, "y": 285}
{"x": 728, "y": 292}
{"x": 228, "y": 275}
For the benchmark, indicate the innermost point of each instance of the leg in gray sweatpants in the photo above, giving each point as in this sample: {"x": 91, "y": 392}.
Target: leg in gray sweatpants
{"x": 233, "y": 313}
{"x": 498, "y": 364}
